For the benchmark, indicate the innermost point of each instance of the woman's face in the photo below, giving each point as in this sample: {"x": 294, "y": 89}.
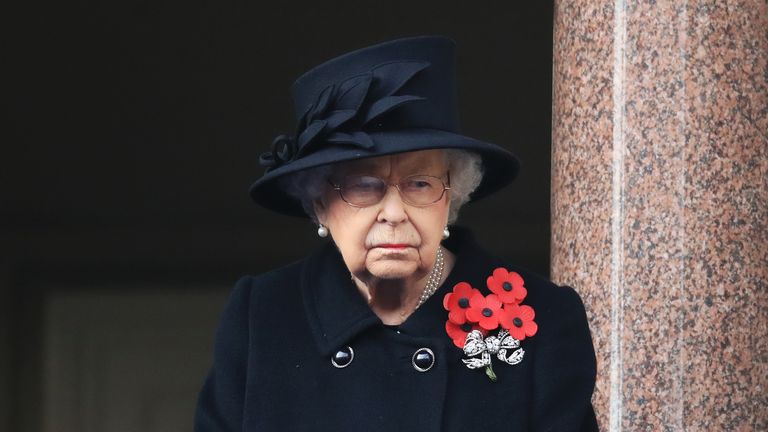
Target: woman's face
{"x": 390, "y": 239}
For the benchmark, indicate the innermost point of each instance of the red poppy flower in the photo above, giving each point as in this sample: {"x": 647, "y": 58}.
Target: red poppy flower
{"x": 459, "y": 332}
{"x": 457, "y": 302}
{"x": 484, "y": 310}
{"x": 507, "y": 285}
{"x": 518, "y": 320}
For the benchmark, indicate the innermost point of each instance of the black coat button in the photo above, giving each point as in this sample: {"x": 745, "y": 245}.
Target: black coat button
{"x": 343, "y": 357}
{"x": 423, "y": 359}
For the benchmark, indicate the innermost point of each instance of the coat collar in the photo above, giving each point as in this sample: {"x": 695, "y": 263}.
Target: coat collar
{"x": 337, "y": 312}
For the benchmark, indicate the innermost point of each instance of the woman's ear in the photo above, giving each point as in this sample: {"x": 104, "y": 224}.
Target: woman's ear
{"x": 320, "y": 210}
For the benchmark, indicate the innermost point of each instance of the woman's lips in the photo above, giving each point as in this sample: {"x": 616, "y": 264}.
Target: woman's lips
{"x": 393, "y": 246}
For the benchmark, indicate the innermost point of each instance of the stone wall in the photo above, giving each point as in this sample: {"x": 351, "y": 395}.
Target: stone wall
{"x": 660, "y": 205}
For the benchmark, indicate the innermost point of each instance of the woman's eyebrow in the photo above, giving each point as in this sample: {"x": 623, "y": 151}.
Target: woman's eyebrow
{"x": 420, "y": 168}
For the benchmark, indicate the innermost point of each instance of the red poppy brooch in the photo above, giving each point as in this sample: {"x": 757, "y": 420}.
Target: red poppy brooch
{"x": 472, "y": 317}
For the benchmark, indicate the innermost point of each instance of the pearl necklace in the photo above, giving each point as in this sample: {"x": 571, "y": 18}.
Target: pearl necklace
{"x": 435, "y": 276}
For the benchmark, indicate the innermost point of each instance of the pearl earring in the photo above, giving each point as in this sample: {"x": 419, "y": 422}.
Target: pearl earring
{"x": 446, "y": 233}
{"x": 322, "y": 231}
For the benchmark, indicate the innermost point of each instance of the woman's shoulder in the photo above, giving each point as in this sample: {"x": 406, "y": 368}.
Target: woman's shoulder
{"x": 270, "y": 283}
{"x": 555, "y": 306}
{"x": 478, "y": 263}
{"x": 316, "y": 260}
{"x": 279, "y": 274}
{"x": 544, "y": 291}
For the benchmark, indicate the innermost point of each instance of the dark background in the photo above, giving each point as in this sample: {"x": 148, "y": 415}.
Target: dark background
{"x": 135, "y": 127}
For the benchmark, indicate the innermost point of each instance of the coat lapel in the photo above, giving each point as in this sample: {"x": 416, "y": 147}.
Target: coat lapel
{"x": 335, "y": 310}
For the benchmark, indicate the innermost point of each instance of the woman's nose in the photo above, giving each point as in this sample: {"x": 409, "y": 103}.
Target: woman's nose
{"x": 392, "y": 207}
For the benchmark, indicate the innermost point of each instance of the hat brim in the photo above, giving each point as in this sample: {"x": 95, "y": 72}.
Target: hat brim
{"x": 500, "y": 166}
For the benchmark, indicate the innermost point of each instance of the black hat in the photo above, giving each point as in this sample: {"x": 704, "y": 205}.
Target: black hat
{"x": 394, "y": 97}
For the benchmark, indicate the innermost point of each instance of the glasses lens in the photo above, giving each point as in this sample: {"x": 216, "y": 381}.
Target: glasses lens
{"x": 362, "y": 190}
{"x": 422, "y": 190}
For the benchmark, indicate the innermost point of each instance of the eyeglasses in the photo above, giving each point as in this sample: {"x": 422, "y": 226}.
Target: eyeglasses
{"x": 416, "y": 190}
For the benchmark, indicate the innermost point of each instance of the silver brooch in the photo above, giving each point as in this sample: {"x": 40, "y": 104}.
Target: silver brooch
{"x": 498, "y": 345}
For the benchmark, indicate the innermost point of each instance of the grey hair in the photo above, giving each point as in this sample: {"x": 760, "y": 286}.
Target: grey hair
{"x": 465, "y": 167}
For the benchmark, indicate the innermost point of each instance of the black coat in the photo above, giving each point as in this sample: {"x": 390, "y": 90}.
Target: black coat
{"x": 272, "y": 367}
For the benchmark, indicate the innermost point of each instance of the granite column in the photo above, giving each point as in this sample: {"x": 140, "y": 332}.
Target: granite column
{"x": 660, "y": 205}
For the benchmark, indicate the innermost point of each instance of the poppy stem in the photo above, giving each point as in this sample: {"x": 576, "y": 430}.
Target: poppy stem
{"x": 490, "y": 373}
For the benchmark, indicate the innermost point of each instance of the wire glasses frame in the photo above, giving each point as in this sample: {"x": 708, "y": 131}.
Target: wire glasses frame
{"x": 416, "y": 190}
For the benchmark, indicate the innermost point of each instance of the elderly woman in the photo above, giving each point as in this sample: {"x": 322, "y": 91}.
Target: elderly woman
{"x": 401, "y": 322}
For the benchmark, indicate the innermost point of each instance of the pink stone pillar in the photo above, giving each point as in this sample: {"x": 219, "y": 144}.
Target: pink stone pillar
{"x": 660, "y": 206}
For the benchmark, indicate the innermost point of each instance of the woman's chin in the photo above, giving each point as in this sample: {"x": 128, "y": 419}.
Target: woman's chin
{"x": 392, "y": 269}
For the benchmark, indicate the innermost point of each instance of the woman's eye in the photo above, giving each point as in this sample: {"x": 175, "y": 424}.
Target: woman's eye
{"x": 363, "y": 184}
{"x": 417, "y": 184}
